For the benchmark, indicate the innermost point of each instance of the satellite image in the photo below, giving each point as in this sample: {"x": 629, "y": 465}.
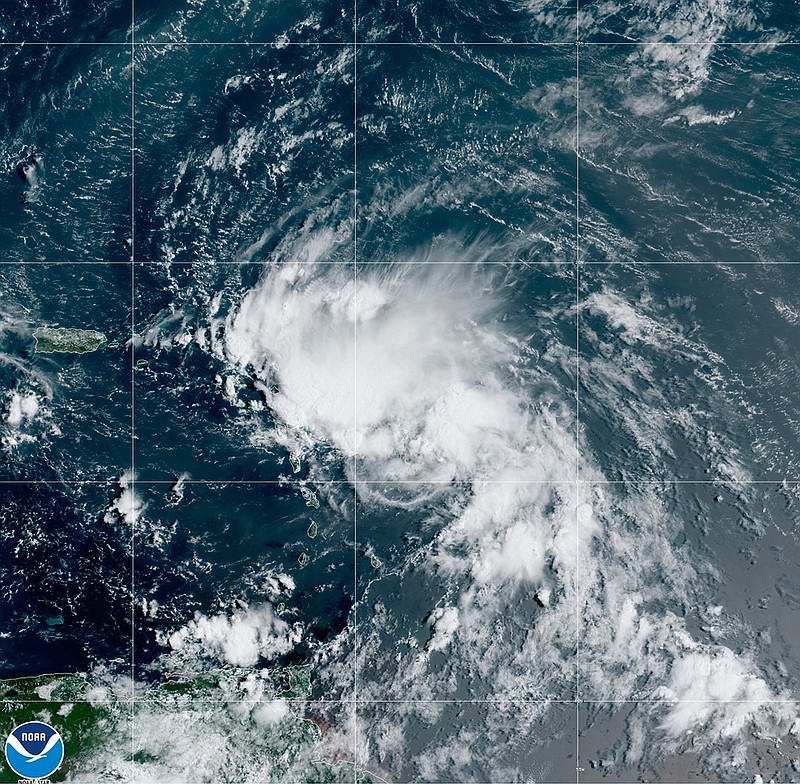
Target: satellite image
{"x": 400, "y": 391}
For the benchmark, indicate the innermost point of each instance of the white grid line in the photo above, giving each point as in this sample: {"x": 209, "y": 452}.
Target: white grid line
{"x": 379, "y": 44}
{"x": 467, "y": 261}
{"x": 135, "y": 521}
{"x": 112, "y": 481}
{"x": 355, "y": 393}
{"x": 578, "y": 624}
{"x": 349, "y": 701}
{"x": 341, "y": 763}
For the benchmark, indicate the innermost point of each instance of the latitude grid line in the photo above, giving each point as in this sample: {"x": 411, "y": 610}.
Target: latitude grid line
{"x": 417, "y": 781}
{"x": 348, "y": 701}
{"x": 346, "y": 44}
{"x": 578, "y": 482}
{"x": 632, "y": 263}
{"x": 430, "y": 781}
{"x": 780, "y": 482}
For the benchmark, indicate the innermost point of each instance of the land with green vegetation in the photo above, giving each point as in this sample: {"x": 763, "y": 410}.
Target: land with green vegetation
{"x": 83, "y": 714}
{"x": 274, "y": 735}
{"x": 310, "y": 497}
{"x": 298, "y": 680}
{"x": 50, "y": 340}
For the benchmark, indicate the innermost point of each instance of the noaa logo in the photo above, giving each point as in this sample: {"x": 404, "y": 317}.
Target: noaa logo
{"x": 34, "y": 750}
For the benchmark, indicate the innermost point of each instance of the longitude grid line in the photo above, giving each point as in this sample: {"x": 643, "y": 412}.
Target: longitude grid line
{"x": 355, "y": 392}
{"x": 133, "y": 386}
{"x": 577, "y": 394}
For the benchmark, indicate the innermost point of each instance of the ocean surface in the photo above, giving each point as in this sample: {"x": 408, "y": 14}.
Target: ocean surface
{"x": 445, "y": 426}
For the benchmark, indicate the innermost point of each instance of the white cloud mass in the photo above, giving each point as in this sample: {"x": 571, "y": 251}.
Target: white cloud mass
{"x": 424, "y": 375}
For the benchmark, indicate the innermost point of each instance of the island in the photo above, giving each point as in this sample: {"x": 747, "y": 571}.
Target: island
{"x": 50, "y": 340}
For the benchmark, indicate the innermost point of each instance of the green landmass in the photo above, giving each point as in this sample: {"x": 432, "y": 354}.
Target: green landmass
{"x": 83, "y": 715}
{"x": 61, "y": 688}
{"x": 195, "y": 686}
{"x": 312, "y": 530}
{"x": 299, "y": 679}
{"x": 107, "y": 736}
{"x": 310, "y": 497}
{"x": 50, "y": 340}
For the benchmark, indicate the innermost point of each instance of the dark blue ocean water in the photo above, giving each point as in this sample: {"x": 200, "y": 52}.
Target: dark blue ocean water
{"x": 596, "y": 241}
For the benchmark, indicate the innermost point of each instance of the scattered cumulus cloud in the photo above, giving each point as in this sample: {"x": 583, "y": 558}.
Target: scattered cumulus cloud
{"x": 242, "y": 638}
{"x": 127, "y": 505}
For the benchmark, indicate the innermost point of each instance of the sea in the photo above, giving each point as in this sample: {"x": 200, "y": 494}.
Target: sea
{"x": 445, "y": 423}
